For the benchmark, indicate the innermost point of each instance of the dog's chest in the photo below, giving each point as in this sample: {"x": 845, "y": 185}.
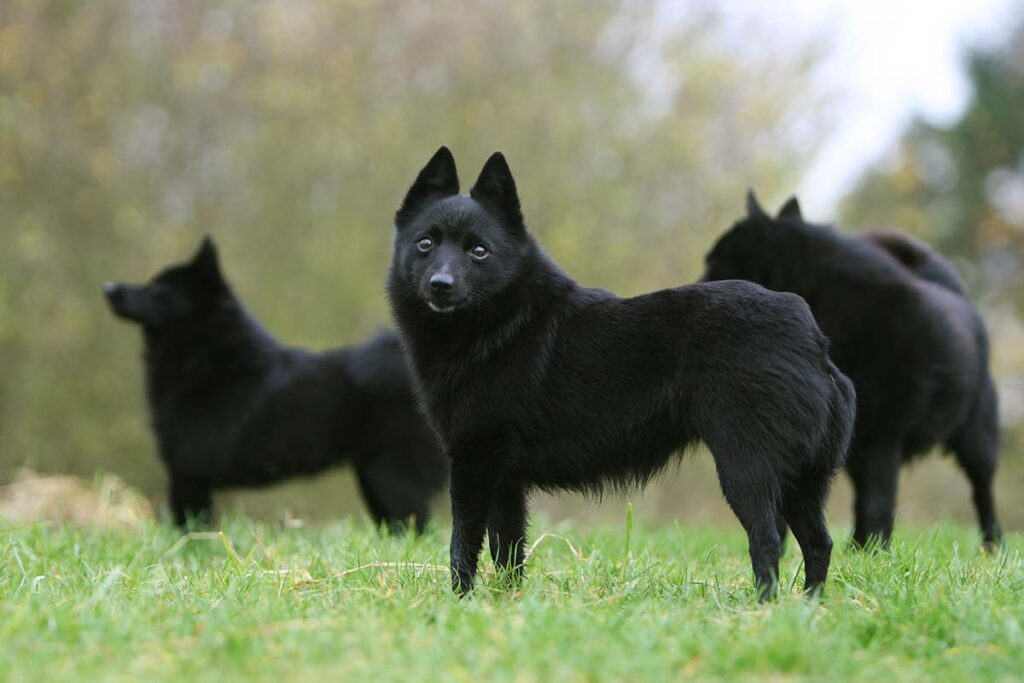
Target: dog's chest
{"x": 466, "y": 398}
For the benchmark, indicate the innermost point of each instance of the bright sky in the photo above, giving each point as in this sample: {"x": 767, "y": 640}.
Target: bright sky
{"x": 889, "y": 59}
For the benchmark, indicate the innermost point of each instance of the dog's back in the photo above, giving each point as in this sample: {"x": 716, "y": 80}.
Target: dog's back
{"x": 917, "y": 257}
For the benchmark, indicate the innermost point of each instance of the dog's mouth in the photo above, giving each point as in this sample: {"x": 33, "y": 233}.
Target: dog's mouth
{"x": 444, "y": 304}
{"x": 115, "y": 295}
{"x": 437, "y": 308}
{"x": 124, "y": 301}
{"x": 444, "y": 301}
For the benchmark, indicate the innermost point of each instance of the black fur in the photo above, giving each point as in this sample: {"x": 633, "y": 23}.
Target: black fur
{"x": 533, "y": 381}
{"x": 918, "y": 258}
{"x": 901, "y": 328}
{"x": 230, "y": 407}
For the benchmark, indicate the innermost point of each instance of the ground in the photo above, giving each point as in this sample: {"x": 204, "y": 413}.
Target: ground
{"x": 657, "y": 602}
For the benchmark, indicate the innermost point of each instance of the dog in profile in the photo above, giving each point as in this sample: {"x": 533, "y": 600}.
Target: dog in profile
{"x": 902, "y": 330}
{"x": 231, "y": 407}
{"x": 533, "y": 381}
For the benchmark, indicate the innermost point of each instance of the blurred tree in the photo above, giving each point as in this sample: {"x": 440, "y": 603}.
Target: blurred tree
{"x": 291, "y": 129}
{"x": 961, "y": 187}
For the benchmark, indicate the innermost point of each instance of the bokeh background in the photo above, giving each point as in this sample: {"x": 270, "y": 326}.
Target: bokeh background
{"x": 290, "y": 129}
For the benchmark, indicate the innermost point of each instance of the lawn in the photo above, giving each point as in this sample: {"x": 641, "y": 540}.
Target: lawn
{"x": 261, "y": 602}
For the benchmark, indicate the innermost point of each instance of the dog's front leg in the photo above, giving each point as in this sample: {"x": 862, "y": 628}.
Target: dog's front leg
{"x": 474, "y": 475}
{"x": 506, "y": 528}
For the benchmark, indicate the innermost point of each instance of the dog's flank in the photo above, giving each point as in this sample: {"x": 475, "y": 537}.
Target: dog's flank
{"x": 231, "y": 407}
{"x": 533, "y": 381}
{"x": 902, "y": 329}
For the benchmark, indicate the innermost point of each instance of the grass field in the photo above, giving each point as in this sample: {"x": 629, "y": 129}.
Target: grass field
{"x": 260, "y": 602}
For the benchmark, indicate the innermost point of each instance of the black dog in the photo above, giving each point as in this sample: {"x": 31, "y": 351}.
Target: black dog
{"x": 901, "y": 328}
{"x": 534, "y": 381}
{"x": 233, "y": 408}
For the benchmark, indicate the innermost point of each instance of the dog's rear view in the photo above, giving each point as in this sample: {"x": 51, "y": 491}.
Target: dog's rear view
{"x": 231, "y": 407}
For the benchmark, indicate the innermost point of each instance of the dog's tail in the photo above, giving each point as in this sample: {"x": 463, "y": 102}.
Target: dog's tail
{"x": 842, "y": 411}
{"x": 918, "y": 258}
{"x": 833, "y": 442}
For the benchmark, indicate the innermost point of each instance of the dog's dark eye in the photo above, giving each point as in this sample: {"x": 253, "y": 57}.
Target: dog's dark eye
{"x": 425, "y": 244}
{"x": 479, "y": 252}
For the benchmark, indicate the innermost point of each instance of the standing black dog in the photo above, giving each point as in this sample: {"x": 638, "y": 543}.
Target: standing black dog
{"x": 534, "y": 381}
{"x": 231, "y": 407}
{"x": 901, "y": 328}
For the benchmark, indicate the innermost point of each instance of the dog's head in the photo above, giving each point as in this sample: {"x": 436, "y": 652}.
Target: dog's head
{"x": 457, "y": 252}
{"x": 177, "y": 293}
{"x": 746, "y": 251}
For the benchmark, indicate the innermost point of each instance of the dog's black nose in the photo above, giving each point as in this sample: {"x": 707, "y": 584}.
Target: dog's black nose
{"x": 442, "y": 282}
{"x": 110, "y": 288}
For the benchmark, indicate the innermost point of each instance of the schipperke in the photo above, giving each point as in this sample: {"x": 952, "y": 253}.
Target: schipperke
{"x": 231, "y": 407}
{"x": 902, "y": 329}
{"x": 533, "y": 381}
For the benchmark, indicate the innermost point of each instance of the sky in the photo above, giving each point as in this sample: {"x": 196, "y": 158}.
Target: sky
{"x": 887, "y": 60}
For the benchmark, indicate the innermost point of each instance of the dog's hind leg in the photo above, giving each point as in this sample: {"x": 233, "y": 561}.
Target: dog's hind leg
{"x": 390, "y": 499}
{"x": 780, "y": 524}
{"x": 191, "y": 501}
{"x": 976, "y": 446}
{"x": 751, "y": 490}
{"x": 757, "y": 514}
{"x": 506, "y": 528}
{"x": 875, "y": 472}
{"x": 803, "y": 505}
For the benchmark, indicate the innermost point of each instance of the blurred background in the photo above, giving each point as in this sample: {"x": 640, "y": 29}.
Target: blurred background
{"x": 290, "y": 130}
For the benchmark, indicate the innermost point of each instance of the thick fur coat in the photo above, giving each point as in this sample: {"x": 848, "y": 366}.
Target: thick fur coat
{"x": 231, "y": 407}
{"x": 902, "y": 330}
{"x": 534, "y": 381}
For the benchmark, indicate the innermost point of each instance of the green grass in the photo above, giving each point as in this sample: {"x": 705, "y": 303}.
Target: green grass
{"x": 342, "y": 603}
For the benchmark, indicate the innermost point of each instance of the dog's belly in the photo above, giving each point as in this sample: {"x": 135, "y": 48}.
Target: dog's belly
{"x": 285, "y": 448}
{"x": 593, "y": 459}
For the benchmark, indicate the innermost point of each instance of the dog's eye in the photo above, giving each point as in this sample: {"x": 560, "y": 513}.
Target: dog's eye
{"x": 479, "y": 252}
{"x": 425, "y": 244}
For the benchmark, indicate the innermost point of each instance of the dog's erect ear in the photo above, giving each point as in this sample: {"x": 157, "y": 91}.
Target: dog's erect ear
{"x": 206, "y": 256}
{"x": 496, "y": 190}
{"x": 437, "y": 180}
{"x": 754, "y": 209}
{"x": 206, "y": 259}
{"x": 791, "y": 209}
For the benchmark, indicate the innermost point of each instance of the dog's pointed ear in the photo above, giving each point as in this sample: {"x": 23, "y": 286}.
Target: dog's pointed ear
{"x": 754, "y": 209}
{"x": 791, "y": 209}
{"x": 207, "y": 259}
{"x": 438, "y": 179}
{"x": 496, "y": 190}
{"x": 206, "y": 255}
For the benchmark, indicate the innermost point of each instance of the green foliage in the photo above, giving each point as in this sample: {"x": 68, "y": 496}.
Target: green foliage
{"x": 261, "y": 603}
{"x": 961, "y": 186}
{"x": 291, "y": 130}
